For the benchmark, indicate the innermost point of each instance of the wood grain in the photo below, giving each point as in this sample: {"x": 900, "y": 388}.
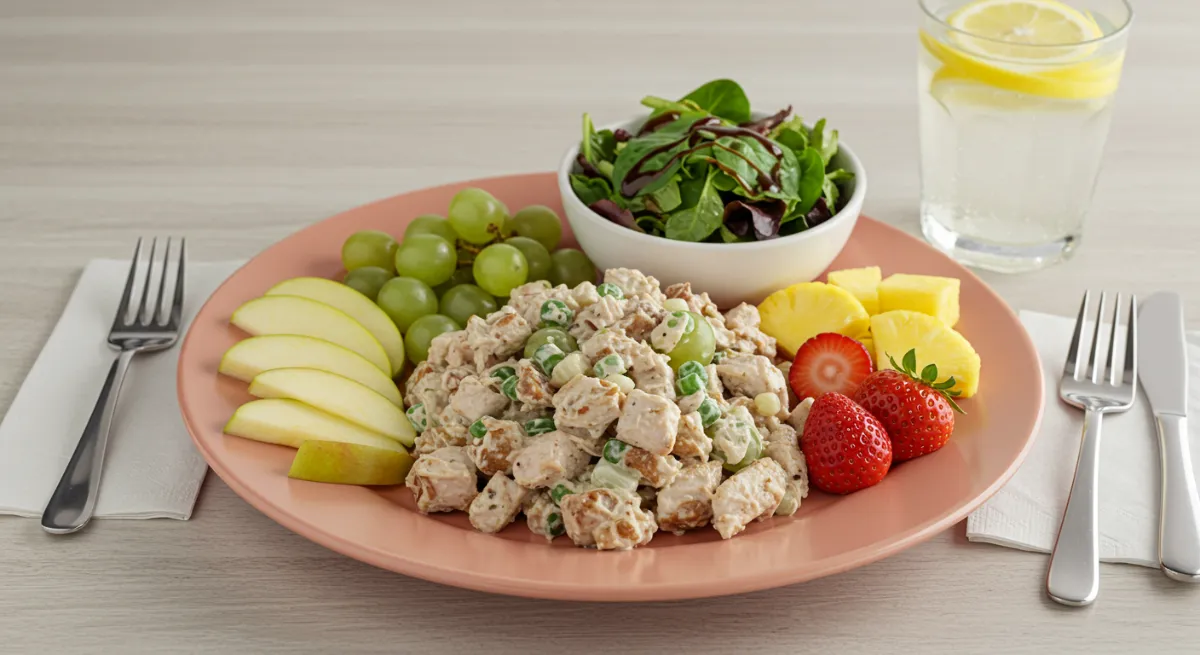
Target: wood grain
{"x": 235, "y": 123}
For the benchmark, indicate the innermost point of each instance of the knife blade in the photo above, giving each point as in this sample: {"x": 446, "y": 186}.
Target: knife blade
{"x": 1162, "y": 370}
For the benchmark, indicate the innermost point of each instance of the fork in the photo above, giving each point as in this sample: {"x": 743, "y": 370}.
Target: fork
{"x": 1074, "y": 576}
{"x": 134, "y": 330}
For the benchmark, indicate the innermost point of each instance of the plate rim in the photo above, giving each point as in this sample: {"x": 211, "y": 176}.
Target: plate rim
{"x": 550, "y": 589}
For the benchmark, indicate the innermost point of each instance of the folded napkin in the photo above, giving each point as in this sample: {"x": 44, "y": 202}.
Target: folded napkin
{"x": 151, "y": 469}
{"x": 1026, "y": 513}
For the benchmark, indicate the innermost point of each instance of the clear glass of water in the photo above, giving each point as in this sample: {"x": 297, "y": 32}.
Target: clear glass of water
{"x": 1015, "y": 102}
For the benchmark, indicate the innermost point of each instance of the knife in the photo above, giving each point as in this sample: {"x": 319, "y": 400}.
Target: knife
{"x": 1163, "y": 368}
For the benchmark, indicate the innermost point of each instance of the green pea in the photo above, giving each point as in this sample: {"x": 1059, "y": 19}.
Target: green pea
{"x": 509, "y": 388}
{"x": 539, "y": 426}
{"x": 690, "y": 384}
{"x": 555, "y": 313}
{"x": 609, "y": 365}
{"x": 557, "y": 493}
{"x": 709, "y": 412}
{"x": 503, "y": 373}
{"x": 614, "y": 450}
{"x": 554, "y": 524}
{"x": 610, "y": 289}
{"x": 416, "y": 416}
{"x": 477, "y": 429}
{"x": 547, "y": 357}
{"x": 692, "y": 367}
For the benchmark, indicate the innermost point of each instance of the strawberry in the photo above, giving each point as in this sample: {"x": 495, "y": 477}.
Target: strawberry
{"x": 916, "y": 410}
{"x": 829, "y": 362}
{"x": 845, "y": 447}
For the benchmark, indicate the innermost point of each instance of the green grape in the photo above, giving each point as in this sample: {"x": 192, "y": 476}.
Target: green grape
{"x": 695, "y": 346}
{"x": 536, "y": 256}
{"x": 459, "y": 276}
{"x": 422, "y": 331}
{"x": 405, "y": 300}
{"x": 556, "y": 336}
{"x": 500, "y": 268}
{"x": 466, "y": 300}
{"x": 477, "y": 216}
{"x": 571, "y": 267}
{"x": 367, "y": 280}
{"x": 369, "y": 248}
{"x": 427, "y": 257}
{"x": 431, "y": 224}
{"x": 540, "y": 223}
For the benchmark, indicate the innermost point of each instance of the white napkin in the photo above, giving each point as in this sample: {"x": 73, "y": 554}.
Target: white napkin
{"x": 1026, "y": 513}
{"x": 152, "y": 469}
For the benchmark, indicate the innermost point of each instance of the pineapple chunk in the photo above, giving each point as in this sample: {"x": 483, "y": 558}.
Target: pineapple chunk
{"x": 868, "y": 343}
{"x": 862, "y": 283}
{"x": 800, "y": 312}
{"x": 928, "y": 294}
{"x": 897, "y": 332}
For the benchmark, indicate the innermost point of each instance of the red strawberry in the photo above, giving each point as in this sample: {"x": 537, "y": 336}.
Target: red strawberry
{"x": 829, "y": 362}
{"x": 917, "y": 411}
{"x": 846, "y": 448}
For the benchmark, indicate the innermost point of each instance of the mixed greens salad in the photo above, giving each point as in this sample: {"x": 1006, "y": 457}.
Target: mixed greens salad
{"x": 701, "y": 169}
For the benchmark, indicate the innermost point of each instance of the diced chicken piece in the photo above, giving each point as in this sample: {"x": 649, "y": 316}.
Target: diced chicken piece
{"x": 584, "y": 294}
{"x": 423, "y": 378}
{"x": 542, "y": 515}
{"x": 669, "y": 332}
{"x": 716, "y": 390}
{"x": 733, "y": 433}
{"x": 635, "y": 284}
{"x": 652, "y": 373}
{"x": 786, "y": 369}
{"x": 686, "y": 503}
{"x": 498, "y": 337}
{"x": 784, "y": 447}
{"x": 443, "y": 481}
{"x": 437, "y": 403}
{"x": 750, "y": 375}
{"x": 642, "y": 315}
{"x": 691, "y": 442}
{"x": 752, "y": 493}
{"x": 451, "y": 378}
{"x": 515, "y": 412}
{"x": 592, "y": 444}
{"x": 799, "y": 416}
{"x": 587, "y": 404}
{"x": 610, "y": 342}
{"x": 527, "y": 299}
{"x": 497, "y": 505}
{"x": 691, "y": 402}
{"x": 433, "y": 438}
{"x": 607, "y": 519}
{"x": 533, "y": 387}
{"x": 495, "y": 451}
{"x": 648, "y": 421}
{"x": 792, "y": 498}
{"x": 744, "y": 322}
{"x": 603, "y": 313}
{"x": 476, "y": 398}
{"x": 548, "y": 458}
{"x": 449, "y": 350}
{"x": 656, "y": 470}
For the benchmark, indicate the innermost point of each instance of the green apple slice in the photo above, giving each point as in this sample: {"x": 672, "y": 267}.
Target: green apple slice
{"x": 309, "y": 318}
{"x": 249, "y": 357}
{"x": 349, "y": 463}
{"x": 291, "y": 423}
{"x": 336, "y": 395}
{"x": 353, "y": 304}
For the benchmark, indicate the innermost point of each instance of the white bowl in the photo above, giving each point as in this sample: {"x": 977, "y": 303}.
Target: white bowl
{"x": 730, "y": 273}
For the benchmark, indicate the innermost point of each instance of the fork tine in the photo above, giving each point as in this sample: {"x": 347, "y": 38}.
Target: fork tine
{"x": 1131, "y": 343}
{"x": 123, "y": 308}
{"x": 139, "y": 317}
{"x": 1095, "y": 366}
{"x": 177, "y": 303}
{"x": 162, "y": 284}
{"x": 1071, "y": 369}
{"x": 1114, "y": 373}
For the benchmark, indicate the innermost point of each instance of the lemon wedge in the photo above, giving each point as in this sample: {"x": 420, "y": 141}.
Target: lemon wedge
{"x": 1009, "y": 27}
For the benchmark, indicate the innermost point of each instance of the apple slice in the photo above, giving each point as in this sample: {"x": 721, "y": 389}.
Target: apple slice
{"x": 291, "y": 423}
{"x": 353, "y": 304}
{"x": 338, "y": 396}
{"x": 309, "y": 318}
{"x": 249, "y": 357}
{"x": 349, "y": 463}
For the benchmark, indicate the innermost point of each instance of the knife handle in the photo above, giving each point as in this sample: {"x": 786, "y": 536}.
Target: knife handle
{"x": 1179, "y": 522}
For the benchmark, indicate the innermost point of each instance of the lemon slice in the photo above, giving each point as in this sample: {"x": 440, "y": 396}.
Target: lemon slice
{"x": 1020, "y": 29}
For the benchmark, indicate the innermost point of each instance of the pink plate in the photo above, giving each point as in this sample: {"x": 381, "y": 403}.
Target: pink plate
{"x": 828, "y": 535}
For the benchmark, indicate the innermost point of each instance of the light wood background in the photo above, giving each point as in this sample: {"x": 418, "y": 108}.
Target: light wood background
{"x": 235, "y": 123}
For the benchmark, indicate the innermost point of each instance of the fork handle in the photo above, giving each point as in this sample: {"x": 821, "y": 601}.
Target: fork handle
{"x": 1179, "y": 521}
{"x": 74, "y": 499}
{"x": 1074, "y": 577}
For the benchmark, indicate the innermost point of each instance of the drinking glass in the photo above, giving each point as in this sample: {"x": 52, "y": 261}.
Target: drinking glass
{"x": 1015, "y": 102}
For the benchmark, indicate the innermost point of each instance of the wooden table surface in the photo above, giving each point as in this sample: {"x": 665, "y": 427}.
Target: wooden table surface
{"x": 235, "y": 123}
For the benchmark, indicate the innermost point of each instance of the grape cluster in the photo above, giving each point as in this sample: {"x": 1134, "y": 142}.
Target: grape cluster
{"x": 445, "y": 270}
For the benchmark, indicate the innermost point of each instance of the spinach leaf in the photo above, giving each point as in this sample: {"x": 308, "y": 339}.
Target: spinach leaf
{"x": 690, "y": 189}
{"x": 639, "y": 147}
{"x": 590, "y": 189}
{"x": 667, "y": 198}
{"x": 662, "y": 105}
{"x": 597, "y": 147}
{"x": 812, "y": 179}
{"x": 723, "y": 98}
{"x": 830, "y": 189}
{"x": 651, "y": 224}
{"x": 826, "y": 144}
{"x": 747, "y": 156}
{"x": 696, "y": 223}
{"x": 723, "y": 182}
{"x": 792, "y": 134}
{"x": 728, "y": 236}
